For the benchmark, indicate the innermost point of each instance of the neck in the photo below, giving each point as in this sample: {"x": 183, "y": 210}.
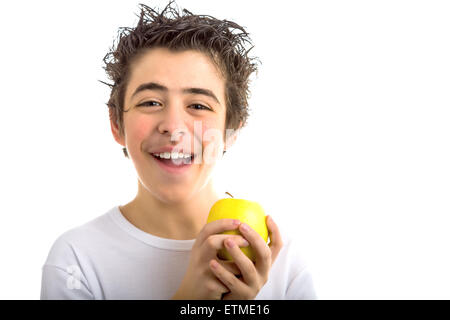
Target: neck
{"x": 179, "y": 220}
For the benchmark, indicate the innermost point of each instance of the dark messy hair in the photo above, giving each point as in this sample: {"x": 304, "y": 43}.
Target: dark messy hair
{"x": 221, "y": 40}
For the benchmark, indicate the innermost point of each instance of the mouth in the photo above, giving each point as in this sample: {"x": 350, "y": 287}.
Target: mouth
{"x": 175, "y": 161}
{"x": 172, "y": 165}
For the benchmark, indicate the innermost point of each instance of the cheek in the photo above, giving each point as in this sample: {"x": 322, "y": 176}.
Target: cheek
{"x": 211, "y": 128}
{"x": 212, "y": 141}
{"x": 136, "y": 131}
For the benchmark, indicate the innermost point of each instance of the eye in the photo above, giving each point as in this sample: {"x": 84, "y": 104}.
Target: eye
{"x": 147, "y": 103}
{"x": 151, "y": 103}
{"x": 202, "y": 107}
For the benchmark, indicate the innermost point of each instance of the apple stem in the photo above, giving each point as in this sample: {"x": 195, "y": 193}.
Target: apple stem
{"x": 229, "y": 194}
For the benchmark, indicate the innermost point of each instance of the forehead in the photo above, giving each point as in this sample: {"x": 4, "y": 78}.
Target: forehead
{"x": 188, "y": 68}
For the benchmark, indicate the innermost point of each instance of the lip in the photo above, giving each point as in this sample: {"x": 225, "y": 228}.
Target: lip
{"x": 170, "y": 149}
{"x": 172, "y": 169}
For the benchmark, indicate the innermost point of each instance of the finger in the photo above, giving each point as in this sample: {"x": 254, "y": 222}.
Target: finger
{"x": 238, "y": 239}
{"x": 231, "y": 267}
{"x": 276, "y": 242}
{"x": 227, "y": 278}
{"x": 216, "y": 288}
{"x": 217, "y": 226}
{"x": 260, "y": 247}
{"x": 245, "y": 265}
{"x": 216, "y": 241}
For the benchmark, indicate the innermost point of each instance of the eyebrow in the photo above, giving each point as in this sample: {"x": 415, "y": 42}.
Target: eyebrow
{"x": 159, "y": 87}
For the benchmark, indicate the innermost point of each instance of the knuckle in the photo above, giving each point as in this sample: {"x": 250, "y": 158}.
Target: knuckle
{"x": 248, "y": 295}
{"x": 249, "y": 265}
{"x": 225, "y": 223}
{"x": 209, "y": 287}
{"x": 229, "y": 283}
{"x": 209, "y": 242}
{"x": 204, "y": 231}
{"x": 239, "y": 239}
{"x": 267, "y": 254}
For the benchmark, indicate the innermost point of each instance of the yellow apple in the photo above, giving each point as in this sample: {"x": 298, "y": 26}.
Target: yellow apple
{"x": 246, "y": 211}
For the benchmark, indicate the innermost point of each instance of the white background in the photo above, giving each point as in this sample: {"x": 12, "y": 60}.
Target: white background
{"x": 347, "y": 145}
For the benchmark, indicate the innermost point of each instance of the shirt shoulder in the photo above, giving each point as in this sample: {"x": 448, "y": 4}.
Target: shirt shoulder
{"x": 65, "y": 273}
{"x": 63, "y": 252}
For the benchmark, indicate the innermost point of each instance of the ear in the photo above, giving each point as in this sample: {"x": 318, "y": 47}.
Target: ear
{"x": 115, "y": 128}
{"x": 231, "y": 136}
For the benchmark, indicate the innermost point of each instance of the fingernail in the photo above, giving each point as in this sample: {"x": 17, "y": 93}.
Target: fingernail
{"x": 214, "y": 264}
{"x": 230, "y": 243}
{"x": 244, "y": 227}
{"x": 236, "y": 222}
{"x": 245, "y": 243}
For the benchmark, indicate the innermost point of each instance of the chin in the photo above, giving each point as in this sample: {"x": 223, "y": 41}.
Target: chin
{"x": 172, "y": 194}
{"x": 175, "y": 197}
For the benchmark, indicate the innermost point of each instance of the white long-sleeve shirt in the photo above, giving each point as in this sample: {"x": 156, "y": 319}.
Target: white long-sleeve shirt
{"x": 110, "y": 258}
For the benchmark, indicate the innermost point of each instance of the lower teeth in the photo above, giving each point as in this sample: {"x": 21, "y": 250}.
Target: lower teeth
{"x": 176, "y": 161}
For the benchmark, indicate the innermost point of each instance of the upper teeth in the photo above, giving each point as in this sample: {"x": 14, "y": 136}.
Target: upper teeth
{"x": 173, "y": 155}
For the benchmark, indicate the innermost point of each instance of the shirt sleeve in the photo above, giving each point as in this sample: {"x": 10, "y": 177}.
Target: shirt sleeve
{"x": 302, "y": 287}
{"x": 60, "y": 284}
{"x": 300, "y": 283}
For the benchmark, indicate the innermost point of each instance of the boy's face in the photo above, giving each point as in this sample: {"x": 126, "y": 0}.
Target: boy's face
{"x": 168, "y": 115}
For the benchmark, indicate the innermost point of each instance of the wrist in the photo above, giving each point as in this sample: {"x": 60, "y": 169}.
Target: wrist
{"x": 178, "y": 296}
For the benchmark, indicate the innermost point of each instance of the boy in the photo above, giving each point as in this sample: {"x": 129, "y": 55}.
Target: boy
{"x": 179, "y": 84}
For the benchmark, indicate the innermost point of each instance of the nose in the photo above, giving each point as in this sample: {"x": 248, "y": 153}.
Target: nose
{"x": 173, "y": 122}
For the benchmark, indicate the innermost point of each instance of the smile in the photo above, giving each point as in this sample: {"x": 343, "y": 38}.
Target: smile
{"x": 173, "y": 165}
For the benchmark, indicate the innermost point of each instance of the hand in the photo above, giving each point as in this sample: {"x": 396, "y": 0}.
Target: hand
{"x": 199, "y": 282}
{"x": 254, "y": 276}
